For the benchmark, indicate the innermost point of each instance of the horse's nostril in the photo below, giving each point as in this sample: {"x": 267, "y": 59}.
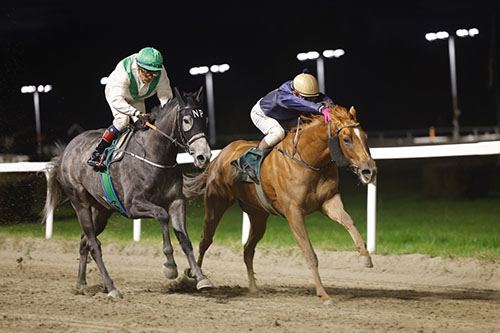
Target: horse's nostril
{"x": 366, "y": 172}
{"x": 200, "y": 158}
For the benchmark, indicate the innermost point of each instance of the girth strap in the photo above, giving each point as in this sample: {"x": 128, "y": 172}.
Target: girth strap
{"x": 109, "y": 190}
{"x": 264, "y": 202}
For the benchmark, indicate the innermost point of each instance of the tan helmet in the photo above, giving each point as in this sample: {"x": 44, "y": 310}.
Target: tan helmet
{"x": 305, "y": 85}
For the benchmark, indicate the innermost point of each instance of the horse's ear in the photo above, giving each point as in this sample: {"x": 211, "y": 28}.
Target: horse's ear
{"x": 199, "y": 95}
{"x": 352, "y": 112}
{"x": 180, "y": 98}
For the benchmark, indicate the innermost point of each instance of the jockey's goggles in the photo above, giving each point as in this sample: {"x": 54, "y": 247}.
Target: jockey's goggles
{"x": 145, "y": 72}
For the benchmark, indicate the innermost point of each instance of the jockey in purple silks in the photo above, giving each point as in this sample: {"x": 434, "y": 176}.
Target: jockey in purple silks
{"x": 300, "y": 95}
{"x": 134, "y": 79}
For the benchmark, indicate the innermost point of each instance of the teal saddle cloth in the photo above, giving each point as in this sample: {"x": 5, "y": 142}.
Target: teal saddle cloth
{"x": 254, "y": 158}
{"x": 112, "y": 154}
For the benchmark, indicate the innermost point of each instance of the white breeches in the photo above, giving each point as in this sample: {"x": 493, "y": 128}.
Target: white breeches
{"x": 272, "y": 129}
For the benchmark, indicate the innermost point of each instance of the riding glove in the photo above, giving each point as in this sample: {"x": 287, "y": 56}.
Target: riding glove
{"x": 142, "y": 119}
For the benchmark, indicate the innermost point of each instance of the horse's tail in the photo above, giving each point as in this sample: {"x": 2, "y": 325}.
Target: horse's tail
{"x": 194, "y": 184}
{"x": 55, "y": 192}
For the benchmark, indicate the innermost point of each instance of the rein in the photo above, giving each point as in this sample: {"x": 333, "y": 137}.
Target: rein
{"x": 292, "y": 156}
{"x": 173, "y": 140}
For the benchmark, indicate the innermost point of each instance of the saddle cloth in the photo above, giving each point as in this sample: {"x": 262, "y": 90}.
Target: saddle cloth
{"x": 116, "y": 150}
{"x": 241, "y": 176}
{"x": 113, "y": 154}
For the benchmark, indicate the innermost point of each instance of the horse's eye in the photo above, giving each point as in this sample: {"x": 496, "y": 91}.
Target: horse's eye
{"x": 187, "y": 123}
{"x": 347, "y": 139}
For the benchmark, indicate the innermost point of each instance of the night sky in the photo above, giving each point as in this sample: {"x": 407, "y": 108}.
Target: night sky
{"x": 393, "y": 76}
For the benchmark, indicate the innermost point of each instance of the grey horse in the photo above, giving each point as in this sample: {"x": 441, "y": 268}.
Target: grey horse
{"x": 147, "y": 181}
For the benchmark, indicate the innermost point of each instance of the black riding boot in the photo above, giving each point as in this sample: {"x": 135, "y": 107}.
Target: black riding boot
{"x": 109, "y": 135}
{"x": 96, "y": 159}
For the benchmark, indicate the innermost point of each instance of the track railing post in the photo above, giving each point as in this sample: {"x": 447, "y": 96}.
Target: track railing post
{"x": 49, "y": 222}
{"x": 371, "y": 216}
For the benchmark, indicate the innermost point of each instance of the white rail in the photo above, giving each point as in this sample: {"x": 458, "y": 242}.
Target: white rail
{"x": 429, "y": 151}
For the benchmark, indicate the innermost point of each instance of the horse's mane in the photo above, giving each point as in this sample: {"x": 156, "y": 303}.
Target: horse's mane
{"x": 311, "y": 119}
{"x": 159, "y": 111}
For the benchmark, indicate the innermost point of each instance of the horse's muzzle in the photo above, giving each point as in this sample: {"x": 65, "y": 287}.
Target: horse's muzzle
{"x": 366, "y": 171}
{"x": 200, "y": 150}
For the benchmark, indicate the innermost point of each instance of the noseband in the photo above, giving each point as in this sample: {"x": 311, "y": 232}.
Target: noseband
{"x": 334, "y": 145}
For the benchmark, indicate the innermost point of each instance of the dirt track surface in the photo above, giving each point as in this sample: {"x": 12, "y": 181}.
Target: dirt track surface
{"x": 414, "y": 293}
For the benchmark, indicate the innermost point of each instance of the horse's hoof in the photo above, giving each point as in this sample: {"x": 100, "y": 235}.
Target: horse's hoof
{"x": 328, "y": 301}
{"x": 253, "y": 290}
{"x": 366, "y": 261}
{"x": 170, "y": 272}
{"x": 81, "y": 285}
{"x": 202, "y": 284}
{"x": 115, "y": 294}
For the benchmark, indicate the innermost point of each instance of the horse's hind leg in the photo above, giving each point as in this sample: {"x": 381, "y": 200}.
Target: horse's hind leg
{"x": 258, "y": 223}
{"x": 177, "y": 211}
{"x": 81, "y": 204}
{"x": 100, "y": 218}
{"x": 334, "y": 208}
{"x": 82, "y": 267}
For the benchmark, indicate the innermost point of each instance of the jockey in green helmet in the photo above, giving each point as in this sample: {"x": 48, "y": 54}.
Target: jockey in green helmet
{"x": 135, "y": 78}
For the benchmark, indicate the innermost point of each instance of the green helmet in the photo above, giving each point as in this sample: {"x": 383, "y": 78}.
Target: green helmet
{"x": 150, "y": 59}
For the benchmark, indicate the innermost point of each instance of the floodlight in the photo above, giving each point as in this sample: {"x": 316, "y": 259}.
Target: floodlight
{"x": 301, "y": 56}
{"x": 312, "y": 55}
{"x": 198, "y": 70}
{"x": 431, "y": 36}
{"x": 462, "y": 32}
{"x": 473, "y": 32}
{"x": 223, "y": 68}
{"x": 333, "y": 53}
{"x": 442, "y": 35}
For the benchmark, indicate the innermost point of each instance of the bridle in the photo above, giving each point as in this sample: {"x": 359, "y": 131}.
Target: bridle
{"x": 333, "y": 145}
{"x": 185, "y": 142}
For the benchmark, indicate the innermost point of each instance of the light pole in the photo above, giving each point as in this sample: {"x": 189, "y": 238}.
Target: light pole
{"x": 210, "y": 93}
{"x": 36, "y": 99}
{"x": 432, "y": 36}
{"x": 320, "y": 65}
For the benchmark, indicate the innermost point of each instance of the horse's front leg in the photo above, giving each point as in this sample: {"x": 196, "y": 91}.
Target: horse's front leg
{"x": 334, "y": 208}
{"x": 142, "y": 207}
{"x": 177, "y": 211}
{"x": 296, "y": 219}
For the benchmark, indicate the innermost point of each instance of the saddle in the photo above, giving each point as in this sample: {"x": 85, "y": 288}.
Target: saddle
{"x": 251, "y": 159}
{"x": 116, "y": 150}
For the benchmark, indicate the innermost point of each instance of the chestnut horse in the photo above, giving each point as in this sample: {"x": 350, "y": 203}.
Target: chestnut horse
{"x": 294, "y": 187}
